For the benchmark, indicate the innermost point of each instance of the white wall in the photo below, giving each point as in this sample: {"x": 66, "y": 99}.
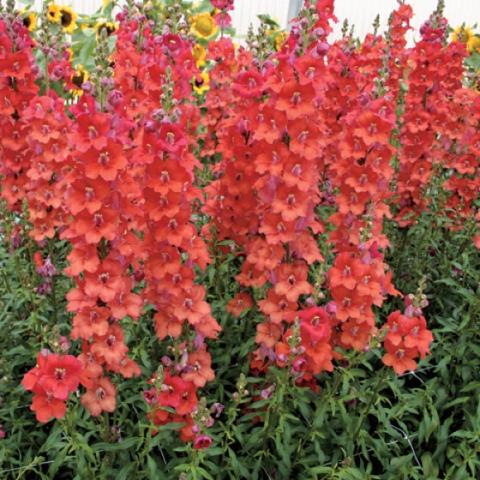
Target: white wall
{"x": 363, "y": 12}
{"x": 360, "y": 12}
{"x": 246, "y": 12}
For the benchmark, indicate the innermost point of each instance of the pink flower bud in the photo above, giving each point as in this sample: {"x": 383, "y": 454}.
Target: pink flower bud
{"x": 201, "y": 442}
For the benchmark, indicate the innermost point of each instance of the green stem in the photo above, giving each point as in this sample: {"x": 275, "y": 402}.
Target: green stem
{"x": 380, "y": 379}
{"x": 54, "y": 295}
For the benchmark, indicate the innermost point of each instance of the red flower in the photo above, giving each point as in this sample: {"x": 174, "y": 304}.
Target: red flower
{"x": 249, "y": 84}
{"x": 407, "y": 338}
{"x": 57, "y": 375}
{"x": 60, "y": 375}
{"x": 46, "y": 407}
{"x": 178, "y": 394}
{"x": 171, "y": 138}
{"x": 105, "y": 162}
{"x": 315, "y": 325}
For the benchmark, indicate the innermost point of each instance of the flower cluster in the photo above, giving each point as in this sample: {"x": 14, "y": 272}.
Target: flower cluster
{"x": 307, "y": 149}
{"x": 126, "y": 175}
{"x": 314, "y": 115}
{"x": 51, "y": 381}
{"x": 163, "y": 168}
{"x": 222, "y": 16}
{"x": 407, "y": 339}
{"x": 17, "y": 89}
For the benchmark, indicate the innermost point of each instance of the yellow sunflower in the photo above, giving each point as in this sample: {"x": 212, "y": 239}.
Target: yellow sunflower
{"x": 78, "y": 79}
{"x": 464, "y": 34}
{"x": 279, "y": 40}
{"x": 68, "y": 19}
{"x": 53, "y": 13}
{"x": 108, "y": 27}
{"x": 199, "y": 54}
{"x": 29, "y": 20}
{"x": 203, "y": 25}
{"x": 473, "y": 45}
{"x": 201, "y": 83}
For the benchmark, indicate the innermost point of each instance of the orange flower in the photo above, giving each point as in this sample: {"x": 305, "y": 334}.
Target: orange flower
{"x": 110, "y": 347}
{"x": 292, "y": 281}
{"x": 277, "y": 307}
{"x": 291, "y": 203}
{"x": 106, "y": 282}
{"x": 267, "y": 334}
{"x": 87, "y": 195}
{"x": 167, "y": 325}
{"x": 46, "y": 407}
{"x": 93, "y": 227}
{"x": 104, "y": 163}
{"x": 126, "y": 367}
{"x": 296, "y": 100}
{"x": 90, "y": 322}
{"x": 356, "y": 334}
{"x": 126, "y": 303}
{"x": 192, "y": 307}
{"x": 82, "y": 258}
{"x": 401, "y": 360}
{"x": 208, "y": 327}
{"x": 239, "y": 303}
{"x": 77, "y": 299}
{"x": 92, "y": 370}
{"x": 373, "y": 129}
{"x": 100, "y": 397}
{"x": 276, "y": 229}
{"x": 198, "y": 369}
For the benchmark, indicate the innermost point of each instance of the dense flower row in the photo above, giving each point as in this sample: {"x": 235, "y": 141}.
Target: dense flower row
{"x": 319, "y": 144}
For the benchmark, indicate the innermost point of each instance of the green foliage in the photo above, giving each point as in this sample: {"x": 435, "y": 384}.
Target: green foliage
{"x": 363, "y": 423}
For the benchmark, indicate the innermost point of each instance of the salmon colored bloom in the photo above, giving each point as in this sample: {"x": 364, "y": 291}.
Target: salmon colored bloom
{"x": 46, "y": 407}
{"x": 239, "y": 303}
{"x": 292, "y": 281}
{"x": 110, "y": 347}
{"x": 106, "y": 282}
{"x": 100, "y": 397}
{"x": 268, "y": 334}
{"x": 198, "y": 370}
{"x": 90, "y": 322}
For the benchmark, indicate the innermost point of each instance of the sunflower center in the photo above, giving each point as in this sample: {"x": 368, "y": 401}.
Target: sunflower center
{"x": 78, "y": 79}
{"x": 66, "y": 18}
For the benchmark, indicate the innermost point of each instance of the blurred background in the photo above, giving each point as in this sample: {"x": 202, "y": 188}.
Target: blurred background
{"x": 360, "y": 13}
